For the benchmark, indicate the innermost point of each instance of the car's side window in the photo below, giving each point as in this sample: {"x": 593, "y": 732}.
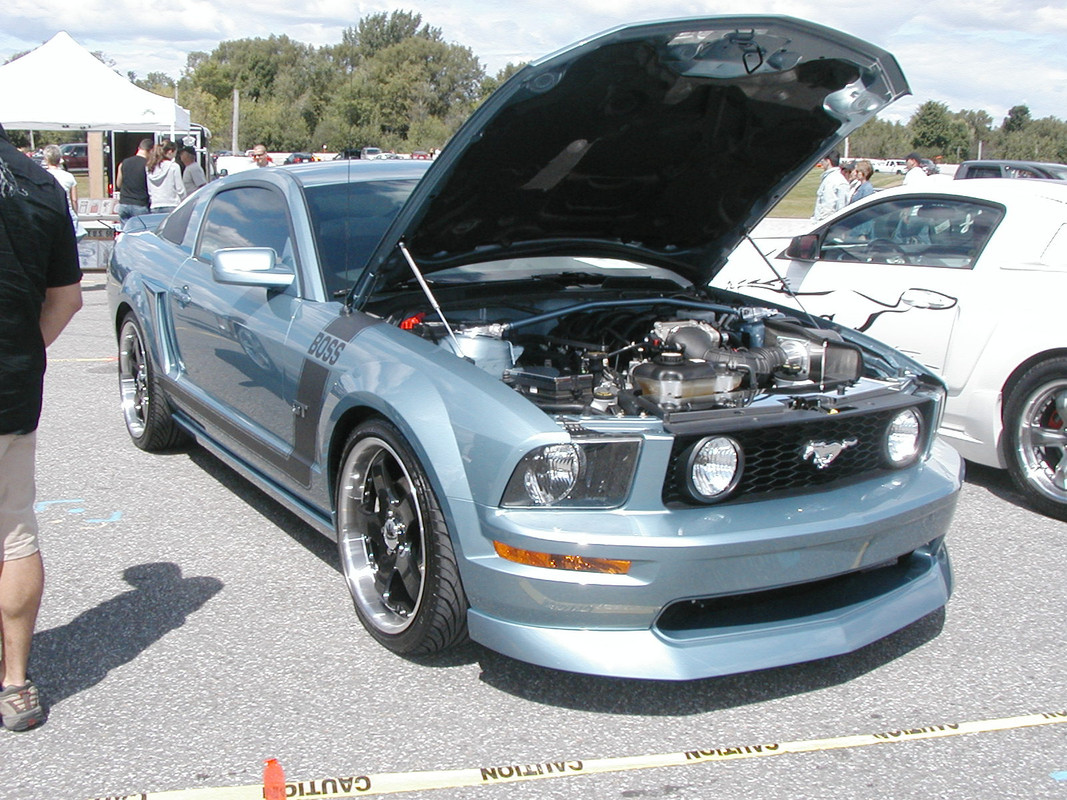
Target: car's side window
{"x": 933, "y": 232}
{"x": 174, "y": 227}
{"x": 247, "y": 216}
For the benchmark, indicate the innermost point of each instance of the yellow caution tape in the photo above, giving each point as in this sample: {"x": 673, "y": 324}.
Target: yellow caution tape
{"x": 396, "y": 782}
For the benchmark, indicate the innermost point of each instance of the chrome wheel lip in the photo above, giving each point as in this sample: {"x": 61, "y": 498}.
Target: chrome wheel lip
{"x": 363, "y": 574}
{"x": 1042, "y": 446}
{"x": 133, "y": 380}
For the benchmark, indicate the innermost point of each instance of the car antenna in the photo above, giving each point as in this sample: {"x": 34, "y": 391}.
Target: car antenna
{"x": 429, "y": 296}
{"x": 785, "y": 284}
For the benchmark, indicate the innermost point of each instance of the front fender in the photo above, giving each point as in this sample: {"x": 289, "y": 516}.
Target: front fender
{"x": 467, "y": 428}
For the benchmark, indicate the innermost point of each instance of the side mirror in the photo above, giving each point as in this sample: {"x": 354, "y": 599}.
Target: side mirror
{"x": 803, "y": 248}
{"x": 250, "y": 266}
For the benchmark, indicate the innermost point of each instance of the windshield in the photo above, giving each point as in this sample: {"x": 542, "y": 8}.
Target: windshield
{"x": 348, "y": 220}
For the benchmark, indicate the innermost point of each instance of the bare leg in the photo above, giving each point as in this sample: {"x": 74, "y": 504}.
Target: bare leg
{"x": 21, "y": 586}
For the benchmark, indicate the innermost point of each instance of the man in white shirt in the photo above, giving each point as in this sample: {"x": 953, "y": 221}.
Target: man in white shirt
{"x": 915, "y": 171}
{"x": 832, "y": 194}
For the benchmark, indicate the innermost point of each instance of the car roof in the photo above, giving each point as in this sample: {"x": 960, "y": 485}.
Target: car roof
{"x": 995, "y": 190}
{"x": 322, "y": 173}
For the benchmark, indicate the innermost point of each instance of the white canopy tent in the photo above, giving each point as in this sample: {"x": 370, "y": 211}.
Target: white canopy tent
{"x": 61, "y": 85}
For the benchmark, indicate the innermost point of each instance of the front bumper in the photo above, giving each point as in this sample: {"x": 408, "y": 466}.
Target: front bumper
{"x": 720, "y": 590}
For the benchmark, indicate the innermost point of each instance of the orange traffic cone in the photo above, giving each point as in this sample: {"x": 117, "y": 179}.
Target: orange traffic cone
{"x": 273, "y": 780}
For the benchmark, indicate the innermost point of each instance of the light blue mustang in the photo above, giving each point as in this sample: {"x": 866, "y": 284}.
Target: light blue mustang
{"x": 502, "y": 384}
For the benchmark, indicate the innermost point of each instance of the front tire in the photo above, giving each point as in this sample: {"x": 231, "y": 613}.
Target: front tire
{"x": 394, "y": 546}
{"x": 145, "y": 408}
{"x": 1035, "y": 437}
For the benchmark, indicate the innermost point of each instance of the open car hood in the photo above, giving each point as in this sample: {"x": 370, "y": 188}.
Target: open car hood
{"x": 662, "y": 143}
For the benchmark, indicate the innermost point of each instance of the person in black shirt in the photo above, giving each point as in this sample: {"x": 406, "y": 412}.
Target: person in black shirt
{"x": 40, "y": 291}
{"x": 132, "y": 183}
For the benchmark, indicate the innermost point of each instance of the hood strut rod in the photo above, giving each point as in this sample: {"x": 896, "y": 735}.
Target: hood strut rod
{"x": 429, "y": 296}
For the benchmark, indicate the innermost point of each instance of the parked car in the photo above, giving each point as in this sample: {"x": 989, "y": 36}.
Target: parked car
{"x": 896, "y": 166}
{"x": 299, "y": 158}
{"x": 1011, "y": 169}
{"x": 75, "y": 156}
{"x": 499, "y": 380}
{"x": 968, "y": 279}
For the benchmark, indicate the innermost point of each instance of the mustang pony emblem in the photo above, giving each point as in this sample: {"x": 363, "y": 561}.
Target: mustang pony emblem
{"x": 823, "y": 454}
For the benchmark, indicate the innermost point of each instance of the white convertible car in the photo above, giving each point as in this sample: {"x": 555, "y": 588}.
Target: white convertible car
{"x": 968, "y": 278}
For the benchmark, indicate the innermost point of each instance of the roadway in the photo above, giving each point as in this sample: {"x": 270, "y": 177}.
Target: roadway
{"x": 192, "y": 628}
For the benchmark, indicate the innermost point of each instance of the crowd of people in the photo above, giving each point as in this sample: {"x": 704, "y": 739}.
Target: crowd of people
{"x": 156, "y": 178}
{"x": 845, "y": 182}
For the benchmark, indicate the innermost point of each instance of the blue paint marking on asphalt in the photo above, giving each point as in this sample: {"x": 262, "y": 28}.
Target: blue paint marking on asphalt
{"x": 45, "y": 503}
{"x": 1059, "y": 776}
{"x": 115, "y": 517}
{"x": 41, "y": 506}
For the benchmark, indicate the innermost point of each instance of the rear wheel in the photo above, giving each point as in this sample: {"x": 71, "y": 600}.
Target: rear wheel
{"x": 394, "y": 546}
{"x": 1035, "y": 437}
{"x": 145, "y": 409}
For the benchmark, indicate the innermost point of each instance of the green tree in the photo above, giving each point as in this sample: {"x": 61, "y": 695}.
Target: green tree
{"x": 1018, "y": 118}
{"x": 936, "y": 132}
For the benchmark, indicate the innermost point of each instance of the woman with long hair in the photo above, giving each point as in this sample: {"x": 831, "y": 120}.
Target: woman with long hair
{"x": 165, "y": 188}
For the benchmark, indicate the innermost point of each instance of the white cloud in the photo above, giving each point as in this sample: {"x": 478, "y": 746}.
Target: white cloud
{"x": 984, "y": 54}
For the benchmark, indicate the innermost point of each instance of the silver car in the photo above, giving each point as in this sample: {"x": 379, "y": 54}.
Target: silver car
{"x": 501, "y": 383}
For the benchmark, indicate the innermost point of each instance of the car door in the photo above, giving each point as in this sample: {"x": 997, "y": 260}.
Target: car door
{"x": 230, "y": 339}
{"x": 898, "y": 270}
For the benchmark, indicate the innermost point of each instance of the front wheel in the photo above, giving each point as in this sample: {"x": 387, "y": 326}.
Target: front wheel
{"x": 395, "y": 550}
{"x": 145, "y": 408}
{"x": 1035, "y": 438}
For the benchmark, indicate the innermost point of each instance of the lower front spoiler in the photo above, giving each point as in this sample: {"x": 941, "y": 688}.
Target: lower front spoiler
{"x": 660, "y": 655}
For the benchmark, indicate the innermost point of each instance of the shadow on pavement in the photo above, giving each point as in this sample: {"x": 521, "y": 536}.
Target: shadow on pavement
{"x": 76, "y": 656}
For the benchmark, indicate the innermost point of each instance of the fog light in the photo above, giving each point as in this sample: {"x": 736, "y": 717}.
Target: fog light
{"x": 606, "y": 566}
{"x": 903, "y": 438}
{"x": 714, "y": 468}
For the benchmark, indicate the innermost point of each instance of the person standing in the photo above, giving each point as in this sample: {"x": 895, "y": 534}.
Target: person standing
{"x": 832, "y": 194}
{"x": 261, "y": 156}
{"x": 915, "y": 171}
{"x": 165, "y": 188}
{"x": 67, "y": 182}
{"x": 193, "y": 176}
{"x": 862, "y": 175}
{"x": 132, "y": 183}
{"x": 40, "y": 291}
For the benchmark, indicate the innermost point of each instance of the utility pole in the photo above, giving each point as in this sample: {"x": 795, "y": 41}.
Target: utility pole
{"x": 236, "y": 116}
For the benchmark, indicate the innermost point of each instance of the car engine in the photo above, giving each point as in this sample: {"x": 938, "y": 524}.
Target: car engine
{"x": 620, "y": 357}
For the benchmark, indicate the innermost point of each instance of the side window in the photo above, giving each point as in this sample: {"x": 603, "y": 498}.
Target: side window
{"x": 932, "y": 232}
{"x": 247, "y": 216}
{"x": 984, "y": 172}
{"x": 174, "y": 227}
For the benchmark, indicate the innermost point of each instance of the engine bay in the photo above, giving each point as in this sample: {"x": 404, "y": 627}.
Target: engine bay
{"x": 639, "y": 356}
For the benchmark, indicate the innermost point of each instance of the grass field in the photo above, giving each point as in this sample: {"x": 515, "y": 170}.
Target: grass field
{"x": 798, "y": 203}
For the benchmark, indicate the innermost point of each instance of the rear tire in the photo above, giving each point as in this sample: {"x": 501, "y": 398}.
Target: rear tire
{"x": 394, "y": 546}
{"x": 1035, "y": 436}
{"x": 145, "y": 408}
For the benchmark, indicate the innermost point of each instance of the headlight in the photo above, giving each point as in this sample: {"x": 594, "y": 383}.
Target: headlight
{"x": 904, "y": 438}
{"x": 713, "y": 468}
{"x": 583, "y": 474}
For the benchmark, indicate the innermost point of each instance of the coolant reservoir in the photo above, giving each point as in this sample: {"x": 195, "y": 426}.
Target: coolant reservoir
{"x": 672, "y": 380}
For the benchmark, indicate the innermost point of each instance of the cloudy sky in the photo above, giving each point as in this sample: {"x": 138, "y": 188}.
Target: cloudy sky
{"x": 983, "y": 54}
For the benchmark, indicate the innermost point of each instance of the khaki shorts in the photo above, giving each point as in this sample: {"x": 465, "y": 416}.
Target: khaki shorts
{"x": 18, "y": 523}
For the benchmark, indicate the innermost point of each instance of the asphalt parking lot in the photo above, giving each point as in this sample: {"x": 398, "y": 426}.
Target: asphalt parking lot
{"x": 192, "y": 628}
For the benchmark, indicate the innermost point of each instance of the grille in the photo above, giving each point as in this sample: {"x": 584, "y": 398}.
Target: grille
{"x": 774, "y": 460}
